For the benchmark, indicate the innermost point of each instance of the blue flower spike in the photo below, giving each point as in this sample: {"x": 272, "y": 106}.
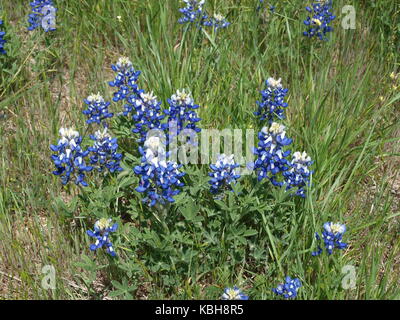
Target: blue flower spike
{"x": 223, "y": 173}
{"x": 272, "y": 105}
{"x": 319, "y": 23}
{"x": 97, "y": 109}
{"x": 193, "y": 12}
{"x": 289, "y": 289}
{"x": 69, "y": 158}
{"x": 298, "y": 176}
{"x": 332, "y": 236}
{"x": 181, "y": 113}
{"x": 218, "y": 21}
{"x": 233, "y": 294}
{"x": 160, "y": 180}
{"x": 102, "y": 230}
{"x": 148, "y": 114}
{"x": 104, "y": 152}
{"x": 125, "y": 80}
{"x": 271, "y": 156}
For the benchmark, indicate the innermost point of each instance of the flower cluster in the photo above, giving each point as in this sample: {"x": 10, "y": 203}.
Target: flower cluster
{"x": 159, "y": 179}
{"x": 70, "y": 158}
{"x": 272, "y": 105}
{"x": 223, "y": 173}
{"x": 288, "y": 289}
{"x": 144, "y": 107}
{"x": 271, "y": 156}
{"x": 318, "y": 24}
{"x": 218, "y": 21}
{"x": 148, "y": 114}
{"x": 125, "y": 80}
{"x": 181, "y": 114}
{"x": 104, "y": 152}
{"x": 41, "y": 15}
{"x": 97, "y": 110}
{"x": 102, "y": 229}
{"x": 298, "y": 174}
{"x": 195, "y": 13}
{"x": 233, "y": 294}
{"x": 332, "y": 237}
{"x": 2, "y": 40}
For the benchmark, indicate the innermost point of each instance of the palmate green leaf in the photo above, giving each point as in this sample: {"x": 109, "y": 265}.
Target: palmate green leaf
{"x": 190, "y": 211}
{"x": 66, "y": 209}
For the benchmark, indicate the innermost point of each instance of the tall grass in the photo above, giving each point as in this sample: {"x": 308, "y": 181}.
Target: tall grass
{"x": 334, "y": 113}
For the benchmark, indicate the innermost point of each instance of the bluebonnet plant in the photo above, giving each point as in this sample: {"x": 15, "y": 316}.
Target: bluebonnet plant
{"x": 218, "y": 21}
{"x": 318, "y": 24}
{"x": 104, "y": 152}
{"x": 223, "y": 173}
{"x": 101, "y": 233}
{"x": 159, "y": 179}
{"x": 181, "y": 113}
{"x": 193, "y": 12}
{"x": 233, "y": 294}
{"x": 97, "y": 109}
{"x": 35, "y": 18}
{"x": 271, "y": 156}
{"x": 332, "y": 237}
{"x": 298, "y": 174}
{"x": 2, "y": 40}
{"x": 125, "y": 81}
{"x": 272, "y": 105}
{"x": 70, "y": 157}
{"x": 288, "y": 289}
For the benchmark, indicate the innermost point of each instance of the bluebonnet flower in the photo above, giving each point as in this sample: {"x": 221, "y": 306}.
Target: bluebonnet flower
{"x": 288, "y": 289}
{"x": 125, "y": 81}
{"x": 271, "y": 157}
{"x": 193, "y": 12}
{"x": 144, "y": 107}
{"x": 321, "y": 18}
{"x": 102, "y": 229}
{"x": 272, "y": 105}
{"x": 159, "y": 179}
{"x": 2, "y": 40}
{"x": 97, "y": 110}
{"x": 223, "y": 173}
{"x": 148, "y": 114}
{"x": 218, "y": 21}
{"x": 35, "y": 18}
{"x": 233, "y": 294}
{"x": 181, "y": 113}
{"x": 104, "y": 152}
{"x": 298, "y": 174}
{"x": 70, "y": 158}
{"x": 332, "y": 237}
